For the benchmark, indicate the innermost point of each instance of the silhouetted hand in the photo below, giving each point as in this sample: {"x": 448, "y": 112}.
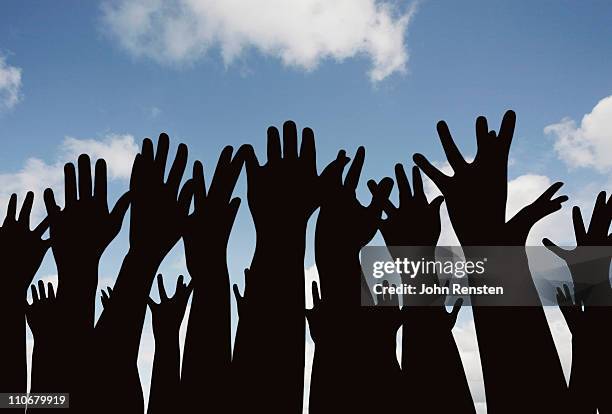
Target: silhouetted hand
{"x": 44, "y": 316}
{"x": 572, "y": 312}
{"x": 415, "y": 222}
{"x": 21, "y": 249}
{"x": 83, "y": 229}
{"x": 344, "y": 223}
{"x": 240, "y": 300}
{"x": 214, "y": 211}
{"x": 385, "y": 318}
{"x": 169, "y": 312}
{"x": 285, "y": 190}
{"x": 157, "y": 217}
{"x": 106, "y": 296}
{"x": 589, "y": 261}
{"x": 425, "y": 318}
{"x": 476, "y": 194}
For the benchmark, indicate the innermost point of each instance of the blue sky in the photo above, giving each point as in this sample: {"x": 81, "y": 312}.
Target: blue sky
{"x": 546, "y": 60}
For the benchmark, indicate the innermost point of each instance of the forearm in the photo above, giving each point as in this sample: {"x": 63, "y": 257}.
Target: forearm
{"x": 122, "y": 320}
{"x": 165, "y": 378}
{"x": 76, "y": 293}
{"x": 13, "y": 374}
{"x": 430, "y": 354}
{"x": 271, "y": 332}
{"x": 208, "y": 341}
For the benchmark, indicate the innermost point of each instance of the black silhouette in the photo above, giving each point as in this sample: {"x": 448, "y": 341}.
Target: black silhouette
{"x": 158, "y": 216}
{"x": 208, "y": 353}
{"x": 21, "y": 251}
{"x": 589, "y": 265}
{"x": 355, "y": 367}
{"x": 516, "y": 348}
{"x": 429, "y": 352}
{"x": 167, "y": 318}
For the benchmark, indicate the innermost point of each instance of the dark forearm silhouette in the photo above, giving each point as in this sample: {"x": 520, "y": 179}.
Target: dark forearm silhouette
{"x": 167, "y": 317}
{"x": 21, "y": 251}
{"x": 208, "y": 353}
{"x": 583, "y": 376}
{"x": 80, "y": 232}
{"x": 589, "y": 265}
{"x": 429, "y": 351}
{"x": 282, "y": 195}
{"x": 355, "y": 341}
{"x": 159, "y": 211}
{"x": 517, "y": 351}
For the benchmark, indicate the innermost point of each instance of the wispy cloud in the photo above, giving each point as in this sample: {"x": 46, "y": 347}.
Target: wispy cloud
{"x": 36, "y": 174}
{"x": 301, "y": 33}
{"x": 10, "y": 85}
{"x": 588, "y": 144}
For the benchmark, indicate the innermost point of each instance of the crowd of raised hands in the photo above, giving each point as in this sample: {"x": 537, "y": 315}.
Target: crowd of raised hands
{"x": 355, "y": 367}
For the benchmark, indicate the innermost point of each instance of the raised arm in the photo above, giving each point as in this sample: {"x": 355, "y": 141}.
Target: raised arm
{"x": 167, "y": 317}
{"x": 282, "y": 195}
{"x": 589, "y": 265}
{"x": 517, "y": 351}
{"x": 429, "y": 352}
{"x": 158, "y": 213}
{"x": 21, "y": 251}
{"x": 355, "y": 341}
{"x": 207, "y": 355}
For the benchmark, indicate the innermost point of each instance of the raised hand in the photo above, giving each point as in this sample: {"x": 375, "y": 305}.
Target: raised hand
{"x": 572, "y": 311}
{"x": 285, "y": 189}
{"x": 44, "y": 315}
{"x": 214, "y": 212}
{"x": 81, "y": 231}
{"x": 169, "y": 312}
{"x": 21, "y": 249}
{"x": 477, "y": 192}
{"x": 158, "y": 210}
{"x": 52, "y": 368}
{"x": 415, "y": 221}
{"x": 344, "y": 223}
{"x": 105, "y": 296}
{"x": 589, "y": 261}
{"x": 167, "y": 318}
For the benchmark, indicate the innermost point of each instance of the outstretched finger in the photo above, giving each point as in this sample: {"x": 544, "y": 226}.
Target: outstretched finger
{"x": 579, "y": 228}
{"x": 403, "y": 185}
{"x": 26, "y": 210}
{"x": 562, "y": 253}
{"x": 199, "y": 185}
{"x": 439, "y": 178}
{"x": 161, "y": 156}
{"x": 289, "y": 140}
{"x": 506, "y": 130}
{"x": 70, "y": 184}
{"x": 308, "y": 150}
{"x": 163, "y": 296}
{"x": 178, "y": 168}
{"x": 352, "y": 176}
{"x": 100, "y": 182}
{"x": 11, "y": 210}
{"x": 453, "y": 155}
{"x": 50, "y": 204}
{"x": 274, "y": 145}
{"x": 121, "y": 206}
{"x": 84, "y": 164}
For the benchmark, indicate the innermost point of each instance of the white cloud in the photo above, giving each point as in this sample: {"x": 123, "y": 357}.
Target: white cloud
{"x": 590, "y": 143}
{"x": 10, "y": 85}
{"x": 301, "y": 33}
{"x": 36, "y": 174}
{"x": 117, "y": 150}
